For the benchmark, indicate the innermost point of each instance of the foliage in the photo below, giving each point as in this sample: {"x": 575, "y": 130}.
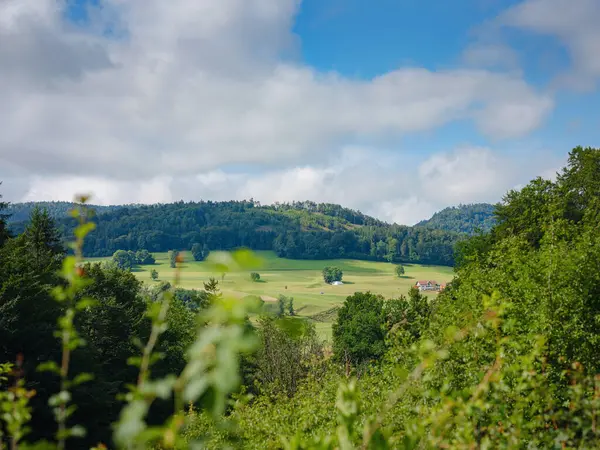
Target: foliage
{"x": 212, "y": 289}
{"x": 288, "y": 350}
{"x": 4, "y": 234}
{"x": 285, "y": 305}
{"x": 14, "y": 404}
{"x": 331, "y": 274}
{"x": 20, "y": 212}
{"x": 200, "y": 252}
{"x": 471, "y": 219}
{"x": 301, "y": 230}
{"x": 127, "y": 259}
{"x": 173, "y": 255}
{"x": 358, "y": 333}
{"x": 399, "y": 270}
{"x": 255, "y": 276}
{"x": 154, "y": 274}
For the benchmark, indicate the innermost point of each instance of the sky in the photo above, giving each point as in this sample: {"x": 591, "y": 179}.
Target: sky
{"x": 397, "y": 108}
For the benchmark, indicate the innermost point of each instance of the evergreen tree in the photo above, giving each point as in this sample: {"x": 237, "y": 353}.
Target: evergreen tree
{"x": 4, "y": 234}
{"x": 28, "y": 314}
{"x": 212, "y": 288}
{"x": 42, "y": 241}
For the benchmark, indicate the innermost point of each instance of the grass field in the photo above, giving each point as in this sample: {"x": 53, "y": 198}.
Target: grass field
{"x": 302, "y": 280}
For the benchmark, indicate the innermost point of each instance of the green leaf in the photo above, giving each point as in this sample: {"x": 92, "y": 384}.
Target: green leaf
{"x": 83, "y": 230}
{"x": 84, "y": 303}
{"x": 77, "y": 431}
{"x": 49, "y": 366}
{"x": 82, "y": 378}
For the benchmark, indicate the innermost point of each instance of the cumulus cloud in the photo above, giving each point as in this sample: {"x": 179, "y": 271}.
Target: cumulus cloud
{"x": 152, "y": 101}
{"x": 574, "y": 22}
{"x": 491, "y": 55}
{"x": 378, "y": 183}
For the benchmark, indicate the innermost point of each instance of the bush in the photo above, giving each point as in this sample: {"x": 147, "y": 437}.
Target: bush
{"x": 288, "y": 349}
{"x": 126, "y": 259}
{"x": 254, "y": 276}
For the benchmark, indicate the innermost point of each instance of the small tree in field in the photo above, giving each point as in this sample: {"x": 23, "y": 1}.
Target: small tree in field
{"x": 154, "y": 274}
{"x": 123, "y": 259}
{"x": 199, "y": 252}
{"x": 173, "y": 258}
{"x": 331, "y": 274}
{"x": 254, "y": 276}
{"x": 400, "y": 270}
{"x": 281, "y": 303}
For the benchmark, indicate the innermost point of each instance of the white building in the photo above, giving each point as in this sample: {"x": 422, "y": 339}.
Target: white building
{"x": 427, "y": 285}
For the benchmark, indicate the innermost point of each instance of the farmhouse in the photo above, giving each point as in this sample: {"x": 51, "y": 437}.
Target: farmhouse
{"x": 429, "y": 285}
{"x": 337, "y": 283}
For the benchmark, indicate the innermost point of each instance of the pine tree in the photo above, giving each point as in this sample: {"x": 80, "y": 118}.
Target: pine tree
{"x": 43, "y": 244}
{"x": 4, "y": 234}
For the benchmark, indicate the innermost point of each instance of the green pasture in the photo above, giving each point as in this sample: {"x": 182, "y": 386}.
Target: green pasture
{"x": 302, "y": 280}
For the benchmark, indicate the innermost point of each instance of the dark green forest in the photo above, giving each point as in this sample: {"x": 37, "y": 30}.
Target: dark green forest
{"x": 470, "y": 219}
{"x": 300, "y": 230}
{"x": 505, "y": 357}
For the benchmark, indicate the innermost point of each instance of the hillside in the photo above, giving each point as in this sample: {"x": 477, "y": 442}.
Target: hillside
{"x": 300, "y": 230}
{"x": 19, "y": 212}
{"x": 463, "y": 219}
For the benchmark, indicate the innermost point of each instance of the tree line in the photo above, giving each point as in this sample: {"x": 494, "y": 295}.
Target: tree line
{"x": 470, "y": 219}
{"x": 301, "y": 230}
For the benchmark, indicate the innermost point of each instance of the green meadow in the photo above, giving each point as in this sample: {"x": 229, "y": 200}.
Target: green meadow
{"x": 300, "y": 279}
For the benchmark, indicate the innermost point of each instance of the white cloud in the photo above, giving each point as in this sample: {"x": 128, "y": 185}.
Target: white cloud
{"x": 379, "y": 183}
{"x": 187, "y": 86}
{"x": 466, "y": 175}
{"x": 154, "y": 100}
{"x": 491, "y": 55}
{"x": 574, "y": 22}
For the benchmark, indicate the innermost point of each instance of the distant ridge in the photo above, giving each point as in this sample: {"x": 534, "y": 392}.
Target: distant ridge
{"x": 297, "y": 230}
{"x": 463, "y": 219}
{"x": 19, "y": 212}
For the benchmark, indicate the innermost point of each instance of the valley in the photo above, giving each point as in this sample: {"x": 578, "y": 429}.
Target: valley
{"x": 301, "y": 279}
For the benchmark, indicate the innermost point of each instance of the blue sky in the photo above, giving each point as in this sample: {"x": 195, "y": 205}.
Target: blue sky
{"x": 397, "y": 108}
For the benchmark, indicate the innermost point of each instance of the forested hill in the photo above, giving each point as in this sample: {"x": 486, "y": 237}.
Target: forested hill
{"x": 300, "y": 230}
{"x": 20, "y": 212}
{"x": 463, "y": 219}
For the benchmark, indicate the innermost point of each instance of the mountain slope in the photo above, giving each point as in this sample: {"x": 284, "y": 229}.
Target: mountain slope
{"x": 462, "y": 219}
{"x": 19, "y": 212}
{"x": 300, "y": 230}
